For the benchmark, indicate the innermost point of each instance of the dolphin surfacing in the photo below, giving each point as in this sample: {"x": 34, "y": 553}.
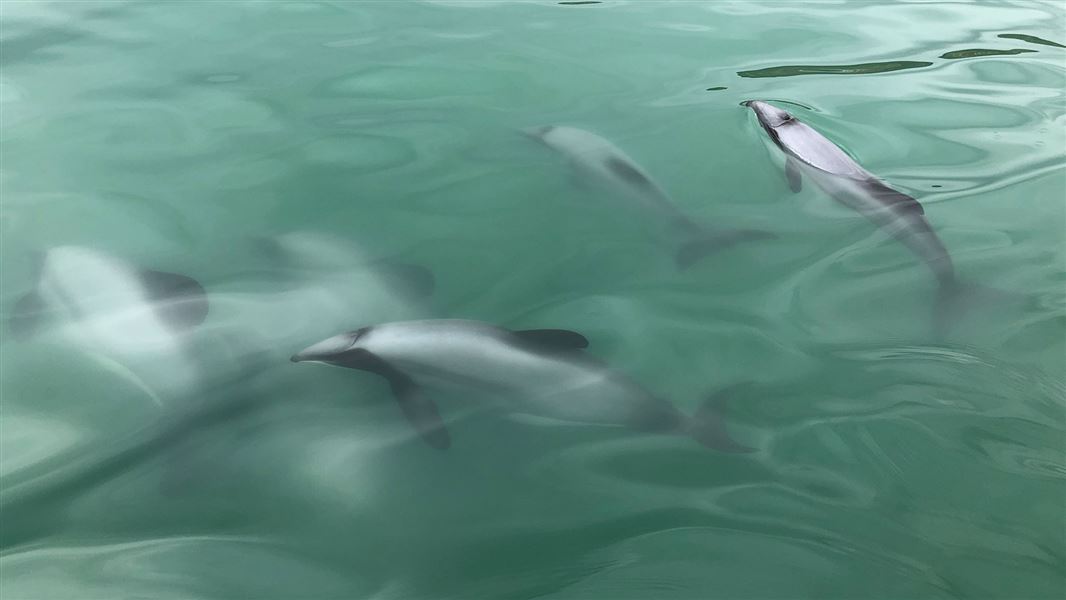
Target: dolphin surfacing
{"x": 810, "y": 155}
{"x": 599, "y": 160}
{"x": 542, "y": 372}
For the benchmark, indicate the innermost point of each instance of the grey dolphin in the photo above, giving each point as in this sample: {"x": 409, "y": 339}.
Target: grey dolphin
{"x": 600, "y": 160}
{"x": 809, "y": 154}
{"x": 133, "y": 319}
{"x": 543, "y": 372}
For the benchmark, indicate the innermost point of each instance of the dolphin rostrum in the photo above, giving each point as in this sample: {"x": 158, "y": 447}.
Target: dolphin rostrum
{"x": 543, "y": 372}
{"x": 809, "y": 154}
{"x": 600, "y": 160}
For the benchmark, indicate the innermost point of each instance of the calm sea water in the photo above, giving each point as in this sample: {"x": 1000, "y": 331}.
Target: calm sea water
{"x": 276, "y": 152}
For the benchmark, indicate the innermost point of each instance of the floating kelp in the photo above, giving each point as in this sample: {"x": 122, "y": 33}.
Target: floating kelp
{"x": 860, "y": 69}
{"x": 1032, "y": 39}
{"x": 972, "y": 52}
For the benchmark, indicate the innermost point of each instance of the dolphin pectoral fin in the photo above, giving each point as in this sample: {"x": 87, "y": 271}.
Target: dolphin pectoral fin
{"x": 420, "y": 411}
{"x": 707, "y": 425}
{"x": 792, "y": 173}
{"x": 893, "y": 199}
{"x": 180, "y": 300}
{"x": 694, "y": 250}
{"x": 26, "y": 317}
{"x": 415, "y": 280}
{"x": 554, "y": 339}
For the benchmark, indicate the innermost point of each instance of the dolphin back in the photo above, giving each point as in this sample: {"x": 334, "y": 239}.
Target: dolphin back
{"x": 808, "y": 146}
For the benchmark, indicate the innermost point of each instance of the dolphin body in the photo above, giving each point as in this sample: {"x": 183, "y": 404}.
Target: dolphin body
{"x": 154, "y": 330}
{"x": 135, "y": 320}
{"x": 308, "y": 287}
{"x": 544, "y": 371}
{"x": 602, "y": 161}
{"x": 809, "y": 154}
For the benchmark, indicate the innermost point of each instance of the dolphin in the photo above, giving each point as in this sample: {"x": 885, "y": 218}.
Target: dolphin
{"x": 602, "y": 161}
{"x": 809, "y": 154}
{"x": 307, "y": 286}
{"x": 543, "y": 372}
{"x": 131, "y": 318}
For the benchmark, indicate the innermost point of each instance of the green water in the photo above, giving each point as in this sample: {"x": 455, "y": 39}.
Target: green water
{"x": 890, "y": 463}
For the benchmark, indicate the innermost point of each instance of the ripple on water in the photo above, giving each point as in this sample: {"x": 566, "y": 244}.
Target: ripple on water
{"x": 413, "y": 83}
{"x": 29, "y": 440}
{"x": 223, "y": 78}
{"x": 178, "y": 567}
{"x": 133, "y": 133}
{"x": 361, "y": 152}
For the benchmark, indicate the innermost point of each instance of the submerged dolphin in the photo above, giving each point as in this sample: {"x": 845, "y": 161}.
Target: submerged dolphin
{"x": 599, "y": 159}
{"x": 129, "y": 317}
{"x": 544, "y": 371}
{"x": 808, "y": 153}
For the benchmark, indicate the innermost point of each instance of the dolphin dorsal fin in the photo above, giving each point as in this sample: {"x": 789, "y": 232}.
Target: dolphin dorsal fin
{"x": 179, "y": 299}
{"x": 625, "y": 170}
{"x": 554, "y": 339}
{"x": 894, "y": 199}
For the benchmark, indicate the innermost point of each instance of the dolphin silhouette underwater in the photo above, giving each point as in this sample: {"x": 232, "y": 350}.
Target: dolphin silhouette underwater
{"x": 809, "y": 154}
{"x": 542, "y": 372}
{"x": 599, "y": 160}
{"x": 136, "y": 321}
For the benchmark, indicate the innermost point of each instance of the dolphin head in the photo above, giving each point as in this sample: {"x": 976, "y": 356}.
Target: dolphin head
{"x": 769, "y": 115}
{"x": 343, "y": 350}
{"x": 539, "y": 133}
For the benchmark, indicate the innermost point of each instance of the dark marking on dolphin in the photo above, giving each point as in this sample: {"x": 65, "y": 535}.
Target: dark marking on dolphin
{"x": 626, "y": 171}
{"x": 894, "y": 199}
{"x": 554, "y": 339}
{"x": 180, "y": 300}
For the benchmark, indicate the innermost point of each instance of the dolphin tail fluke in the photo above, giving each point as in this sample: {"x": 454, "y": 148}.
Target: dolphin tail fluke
{"x": 707, "y": 425}
{"x": 955, "y": 299}
{"x": 695, "y": 250}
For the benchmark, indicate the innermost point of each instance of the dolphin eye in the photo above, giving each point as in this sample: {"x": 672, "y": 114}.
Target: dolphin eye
{"x": 786, "y": 118}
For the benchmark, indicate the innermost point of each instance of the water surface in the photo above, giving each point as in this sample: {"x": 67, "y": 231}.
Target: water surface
{"x": 191, "y": 137}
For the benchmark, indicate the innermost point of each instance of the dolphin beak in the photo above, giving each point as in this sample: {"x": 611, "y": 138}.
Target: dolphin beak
{"x": 746, "y": 103}
{"x": 324, "y": 351}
